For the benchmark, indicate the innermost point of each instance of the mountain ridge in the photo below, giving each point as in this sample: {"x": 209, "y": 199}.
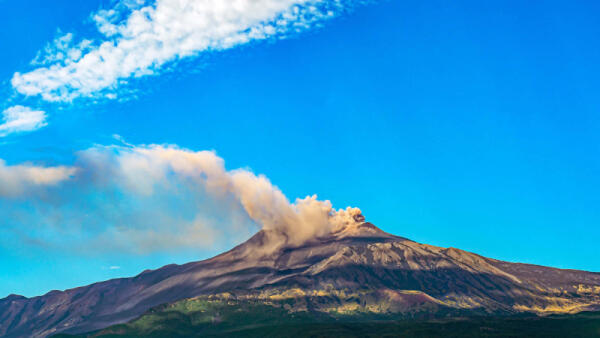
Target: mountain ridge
{"x": 359, "y": 267}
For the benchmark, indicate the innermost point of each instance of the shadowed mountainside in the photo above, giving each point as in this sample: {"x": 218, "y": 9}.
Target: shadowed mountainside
{"x": 358, "y": 270}
{"x": 211, "y": 317}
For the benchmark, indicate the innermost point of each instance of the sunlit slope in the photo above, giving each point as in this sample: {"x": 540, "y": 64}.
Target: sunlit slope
{"x": 358, "y": 270}
{"x": 225, "y": 316}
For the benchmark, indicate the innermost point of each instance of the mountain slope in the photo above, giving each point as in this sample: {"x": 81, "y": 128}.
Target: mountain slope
{"x": 210, "y": 317}
{"x": 358, "y": 269}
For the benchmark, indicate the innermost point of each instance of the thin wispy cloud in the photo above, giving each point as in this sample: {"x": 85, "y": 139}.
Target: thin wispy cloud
{"x": 141, "y": 38}
{"x": 23, "y": 179}
{"x": 18, "y": 119}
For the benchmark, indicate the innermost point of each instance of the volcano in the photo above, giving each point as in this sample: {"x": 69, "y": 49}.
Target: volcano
{"x": 357, "y": 270}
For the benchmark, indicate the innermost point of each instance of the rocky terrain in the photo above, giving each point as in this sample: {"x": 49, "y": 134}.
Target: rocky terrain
{"x": 359, "y": 270}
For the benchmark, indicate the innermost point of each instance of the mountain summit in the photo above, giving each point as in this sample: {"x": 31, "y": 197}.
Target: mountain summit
{"x": 355, "y": 269}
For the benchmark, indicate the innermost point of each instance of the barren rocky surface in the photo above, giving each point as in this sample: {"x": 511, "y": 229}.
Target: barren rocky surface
{"x": 361, "y": 269}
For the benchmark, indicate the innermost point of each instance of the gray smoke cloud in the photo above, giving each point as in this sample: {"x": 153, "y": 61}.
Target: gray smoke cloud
{"x": 157, "y": 197}
{"x": 18, "y": 180}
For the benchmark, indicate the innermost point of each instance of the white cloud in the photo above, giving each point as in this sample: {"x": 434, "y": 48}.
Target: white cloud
{"x": 18, "y": 119}
{"x": 140, "y": 39}
{"x": 155, "y": 198}
{"x": 60, "y": 50}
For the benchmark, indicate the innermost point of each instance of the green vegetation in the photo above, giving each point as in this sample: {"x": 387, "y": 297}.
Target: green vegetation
{"x": 249, "y": 318}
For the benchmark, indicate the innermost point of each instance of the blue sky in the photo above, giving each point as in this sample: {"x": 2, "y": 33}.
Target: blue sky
{"x": 464, "y": 124}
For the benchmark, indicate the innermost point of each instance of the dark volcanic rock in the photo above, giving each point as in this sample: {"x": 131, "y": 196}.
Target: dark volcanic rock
{"x": 400, "y": 274}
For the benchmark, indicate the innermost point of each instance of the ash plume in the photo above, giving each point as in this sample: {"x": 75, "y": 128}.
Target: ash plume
{"x": 156, "y": 197}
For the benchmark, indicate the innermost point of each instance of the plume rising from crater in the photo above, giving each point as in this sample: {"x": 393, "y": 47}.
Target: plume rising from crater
{"x": 200, "y": 201}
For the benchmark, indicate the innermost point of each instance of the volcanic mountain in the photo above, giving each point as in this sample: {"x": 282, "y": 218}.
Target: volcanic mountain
{"x": 359, "y": 269}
